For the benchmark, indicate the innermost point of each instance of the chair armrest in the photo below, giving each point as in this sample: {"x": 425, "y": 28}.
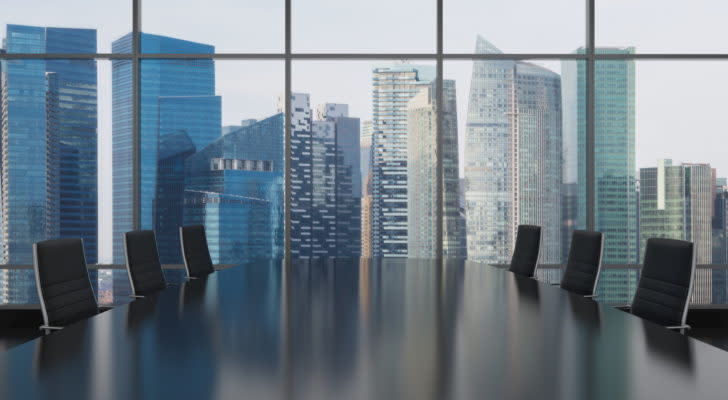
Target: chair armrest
{"x": 136, "y": 296}
{"x": 104, "y": 308}
{"x": 50, "y": 327}
{"x": 624, "y": 308}
{"x": 678, "y": 327}
{"x": 591, "y": 296}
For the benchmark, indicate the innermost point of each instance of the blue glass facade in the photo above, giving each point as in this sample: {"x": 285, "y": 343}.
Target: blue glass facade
{"x": 176, "y": 95}
{"x": 50, "y": 105}
{"x": 234, "y": 187}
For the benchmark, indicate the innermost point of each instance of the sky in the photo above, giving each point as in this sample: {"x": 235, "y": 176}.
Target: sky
{"x": 676, "y": 100}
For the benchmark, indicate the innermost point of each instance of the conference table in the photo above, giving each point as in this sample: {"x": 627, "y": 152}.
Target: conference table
{"x": 364, "y": 329}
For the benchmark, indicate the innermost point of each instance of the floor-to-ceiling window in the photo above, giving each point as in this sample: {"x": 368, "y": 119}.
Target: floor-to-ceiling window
{"x": 295, "y": 128}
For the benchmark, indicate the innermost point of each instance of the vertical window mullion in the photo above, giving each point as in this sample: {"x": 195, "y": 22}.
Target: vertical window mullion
{"x": 590, "y": 113}
{"x": 439, "y": 150}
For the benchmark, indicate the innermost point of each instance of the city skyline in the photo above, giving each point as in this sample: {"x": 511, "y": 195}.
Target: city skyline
{"x": 243, "y": 114}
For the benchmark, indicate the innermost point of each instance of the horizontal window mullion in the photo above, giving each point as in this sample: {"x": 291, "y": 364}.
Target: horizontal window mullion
{"x": 367, "y": 56}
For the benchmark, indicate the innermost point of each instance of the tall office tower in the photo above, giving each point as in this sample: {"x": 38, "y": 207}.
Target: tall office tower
{"x": 49, "y": 135}
{"x": 336, "y": 175}
{"x": 676, "y": 202}
{"x": 301, "y": 178}
{"x": 366, "y": 218}
{"x": 365, "y": 161}
{"x": 234, "y": 187}
{"x": 422, "y": 175}
{"x": 365, "y": 154}
{"x": 392, "y": 88}
{"x": 615, "y": 201}
{"x": 720, "y": 222}
{"x": 512, "y": 156}
{"x": 720, "y": 241}
{"x": 179, "y": 115}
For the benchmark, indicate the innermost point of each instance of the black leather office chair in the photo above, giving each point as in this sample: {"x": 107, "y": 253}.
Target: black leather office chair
{"x": 63, "y": 284}
{"x": 584, "y": 263}
{"x": 195, "y": 253}
{"x": 142, "y": 263}
{"x": 526, "y": 251}
{"x": 666, "y": 282}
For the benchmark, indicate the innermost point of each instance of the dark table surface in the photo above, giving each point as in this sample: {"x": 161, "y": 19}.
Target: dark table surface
{"x": 364, "y": 330}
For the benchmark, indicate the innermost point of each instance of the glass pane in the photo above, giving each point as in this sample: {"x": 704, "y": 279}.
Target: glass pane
{"x": 518, "y": 128}
{"x": 51, "y": 120}
{"x": 662, "y": 26}
{"x": 230, "y": 26}
{"x": 69, "y": 26}
{"x": 682, "y": 183}
{"x": 363, "y": 151}
{"x": 520, "y": 26}
{"x": 211, "y": 154}
{"x": 378, "y": 26}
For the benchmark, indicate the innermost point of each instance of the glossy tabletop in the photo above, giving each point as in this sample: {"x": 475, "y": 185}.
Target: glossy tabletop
{"x": 364, "y": 330}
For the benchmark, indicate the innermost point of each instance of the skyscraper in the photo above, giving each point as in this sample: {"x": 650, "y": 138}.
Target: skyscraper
{"x": 365, "y": 158}
{"x": 325, "y": 187}
{"x": 512, "y": 156}
{"x": 615, "y": 181}
{"x": 422, "y": 175}
{"x": 177, "y": 96}
{"x": 49, "y": 136}
{"x": 676, "y": 202}
{"x": 301, "y": 173}
{"x": 615, "y": 202}
{"x": 720, "y": 241}
{"x": 392, "y": 88}
{"x": 234, "y": 187}
{"x": 365, "y": 154}
{"x": 338, "y": 159}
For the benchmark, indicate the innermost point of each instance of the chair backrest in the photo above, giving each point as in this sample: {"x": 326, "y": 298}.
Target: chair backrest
{"x": 142, "y": 262}
{"x": 195, "y": 253}
{"x": 584, "y": 262}
{"x": 526, "y": 251}
{"x": 666, "y": 281}
{"x": 61, "y": 276}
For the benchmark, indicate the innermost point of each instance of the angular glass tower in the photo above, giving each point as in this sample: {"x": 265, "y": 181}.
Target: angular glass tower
{"x": 392, "y": 88}
{"x": 512, "y": 157}
{"x": 177, "y": 96}
{"x": 234, "y": 187}
{"x": 422, "y": 175}
{"x": 49, "y": 136}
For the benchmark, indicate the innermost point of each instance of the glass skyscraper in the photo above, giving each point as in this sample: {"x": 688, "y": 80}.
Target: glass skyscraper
{"x": 234, "y": 187}
{"x": 325, "y": 187}
{"x": 392, "y": 88}
{"x": 512, "y": 156}
{"x": 177, "y": 97}
{"x": 336, "y": 182}
{"x": 615, "y": 201}
{"x": 49, "y": 137}
{"x": 676, "y": 202}
{"x": 301, "y": 173}
{"x": 422, "y": 175}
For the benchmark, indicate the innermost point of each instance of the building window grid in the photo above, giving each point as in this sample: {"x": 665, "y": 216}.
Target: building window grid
{"x": 590, "y": 56}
